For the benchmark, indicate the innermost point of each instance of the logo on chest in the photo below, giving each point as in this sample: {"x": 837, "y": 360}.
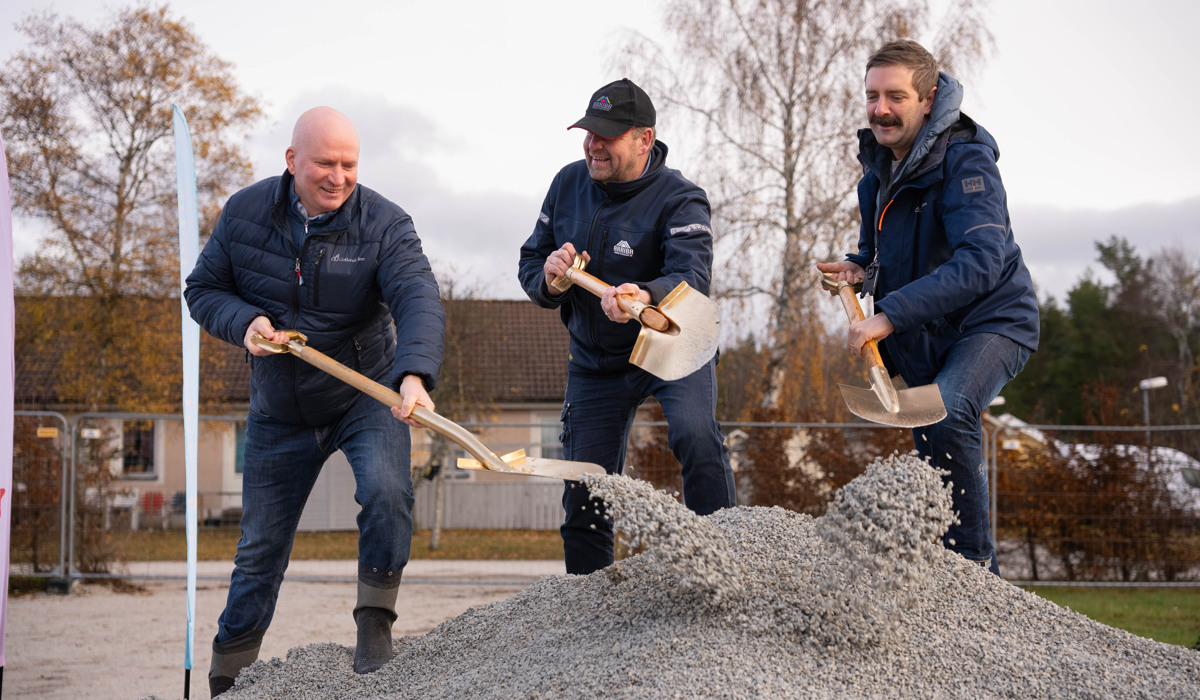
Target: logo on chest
{"x": 623, "y": 249}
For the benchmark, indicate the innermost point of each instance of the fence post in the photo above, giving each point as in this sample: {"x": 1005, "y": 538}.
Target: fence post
{"x": 439, "y": 480}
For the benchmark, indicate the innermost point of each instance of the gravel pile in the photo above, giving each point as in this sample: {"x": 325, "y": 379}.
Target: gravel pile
{"x": 761, "y": 602}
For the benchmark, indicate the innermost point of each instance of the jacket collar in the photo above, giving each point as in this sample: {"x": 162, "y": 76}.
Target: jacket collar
{"x": 281, "y": 205}
{"x": 628, "y": 188}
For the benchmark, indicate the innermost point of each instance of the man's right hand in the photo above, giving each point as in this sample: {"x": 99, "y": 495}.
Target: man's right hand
{"x": 557, "y": 265}
{"x": 262, "y": 326}
{"x": 844, "y": 271}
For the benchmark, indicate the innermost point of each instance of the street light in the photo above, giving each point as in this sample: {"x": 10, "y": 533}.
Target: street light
{"x": 1145, "y": 386}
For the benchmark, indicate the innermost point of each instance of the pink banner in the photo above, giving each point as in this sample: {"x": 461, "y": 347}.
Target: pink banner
{"x": 7, "y": 387}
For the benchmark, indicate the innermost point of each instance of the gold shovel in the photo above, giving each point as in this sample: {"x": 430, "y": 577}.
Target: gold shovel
{"x": 678, "y": 337}
{"x": 512, "y": 463}
{"x": 883, "y": 403}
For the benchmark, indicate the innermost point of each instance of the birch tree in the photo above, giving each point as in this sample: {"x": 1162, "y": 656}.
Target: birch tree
{"x": 766, "y": 97}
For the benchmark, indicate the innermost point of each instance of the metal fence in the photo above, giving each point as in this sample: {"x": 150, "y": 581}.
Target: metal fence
{"x": 1070, "y": 504}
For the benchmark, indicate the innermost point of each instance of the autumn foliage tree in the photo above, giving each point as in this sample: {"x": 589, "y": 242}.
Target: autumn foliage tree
{"x": 86, "y": 114}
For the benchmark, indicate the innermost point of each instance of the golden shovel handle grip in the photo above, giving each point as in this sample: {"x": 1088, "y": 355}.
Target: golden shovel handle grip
{"x": 645, "y": 314}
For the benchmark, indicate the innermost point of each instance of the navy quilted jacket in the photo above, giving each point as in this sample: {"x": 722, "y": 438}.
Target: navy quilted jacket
{"x": 357, "y": 274}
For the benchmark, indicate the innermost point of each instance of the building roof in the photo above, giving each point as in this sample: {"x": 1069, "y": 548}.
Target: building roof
{"x": 497, "y": 351}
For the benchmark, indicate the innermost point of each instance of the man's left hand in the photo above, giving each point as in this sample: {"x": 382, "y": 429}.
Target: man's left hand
{"x": 413, "y": 394}
{"x": 874, "y": 328}
{"x": 612, "y": 309}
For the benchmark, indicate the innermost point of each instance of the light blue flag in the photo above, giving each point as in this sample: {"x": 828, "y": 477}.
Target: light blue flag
{"x": 189, "y": 250}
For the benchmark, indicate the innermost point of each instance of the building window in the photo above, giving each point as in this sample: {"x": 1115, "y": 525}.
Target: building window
{"x": 138, "y": 449}
{"x": 551, "y": 447}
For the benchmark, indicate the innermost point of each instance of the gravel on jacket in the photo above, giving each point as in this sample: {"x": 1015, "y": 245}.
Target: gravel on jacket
{"x": 761, "y": 602}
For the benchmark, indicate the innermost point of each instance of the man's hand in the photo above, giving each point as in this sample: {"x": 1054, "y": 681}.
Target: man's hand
{"x": 413, "y": 394}
{"x": 612, "y": 309}
{"x": 875, "y": 328}
{"x": 557, "y": 265}
{"x": 262, "y": 326}
{"x": 845, "y": 271}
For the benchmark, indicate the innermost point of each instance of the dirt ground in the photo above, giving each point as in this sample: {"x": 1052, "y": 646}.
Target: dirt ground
{"x": 94, "y": 643}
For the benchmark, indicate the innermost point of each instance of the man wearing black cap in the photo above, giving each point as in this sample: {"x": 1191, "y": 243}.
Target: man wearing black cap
{"x": 644, "y": 228}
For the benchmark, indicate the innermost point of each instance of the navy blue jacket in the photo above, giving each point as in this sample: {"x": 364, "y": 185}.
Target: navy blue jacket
{"x": 654, "y": 231}
{"x": 948, "y": 264}
{"x": 338, "y": 290}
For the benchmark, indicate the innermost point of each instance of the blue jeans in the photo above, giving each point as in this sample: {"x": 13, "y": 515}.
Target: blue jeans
{"x": 282, "y": 464}
{"x": 598, "y": 413}
{"x": 976, "y": 369}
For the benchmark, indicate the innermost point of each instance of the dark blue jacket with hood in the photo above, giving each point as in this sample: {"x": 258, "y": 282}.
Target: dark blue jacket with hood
{"x": 948, "y": 263}
{"x": 361, "y": 269}
{"x": 654, "y": 231}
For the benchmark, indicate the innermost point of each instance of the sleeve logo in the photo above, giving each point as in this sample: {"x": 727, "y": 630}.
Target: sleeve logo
{"x": 972, "y": 184}
{"x": 688, "y": 229}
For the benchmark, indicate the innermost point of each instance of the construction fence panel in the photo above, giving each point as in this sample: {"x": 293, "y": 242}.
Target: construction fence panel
{"x": 1082, "y": 504}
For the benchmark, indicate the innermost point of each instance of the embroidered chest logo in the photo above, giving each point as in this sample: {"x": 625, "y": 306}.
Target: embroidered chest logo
{"x": 603, "y": 104}
{"x": 972, "y": 184}
{"x": 623, "y": 248}
{"x": 337, "y": 258}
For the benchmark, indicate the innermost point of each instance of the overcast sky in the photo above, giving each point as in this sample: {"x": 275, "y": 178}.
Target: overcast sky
{"x": 462, "y": 110}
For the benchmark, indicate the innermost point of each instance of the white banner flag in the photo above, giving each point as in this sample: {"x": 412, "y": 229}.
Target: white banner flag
{"x": 189, "y": 250}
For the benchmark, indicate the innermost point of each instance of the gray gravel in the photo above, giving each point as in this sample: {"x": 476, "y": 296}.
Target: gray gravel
{"x": 761, "y": 602}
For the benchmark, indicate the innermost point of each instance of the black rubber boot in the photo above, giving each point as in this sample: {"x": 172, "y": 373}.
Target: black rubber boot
{"x": 218, "y": 685}
{"x": 374, "y": 639}
{"x": 229, "y": 659}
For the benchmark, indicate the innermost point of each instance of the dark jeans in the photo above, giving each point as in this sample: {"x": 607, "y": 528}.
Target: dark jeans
{"x": 975, "y": 371}
{"x": 282, "y": 464}
{"x": 598, "y": 413}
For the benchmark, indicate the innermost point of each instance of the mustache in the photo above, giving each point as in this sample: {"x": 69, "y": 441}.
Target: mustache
{"x": 890, "y": 120}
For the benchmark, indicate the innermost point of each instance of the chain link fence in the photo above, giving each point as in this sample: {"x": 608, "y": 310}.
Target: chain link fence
{"x": 1070, "y": 504}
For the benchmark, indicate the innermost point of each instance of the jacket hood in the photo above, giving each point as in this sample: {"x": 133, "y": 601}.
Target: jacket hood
{"x": 945, "y": 112}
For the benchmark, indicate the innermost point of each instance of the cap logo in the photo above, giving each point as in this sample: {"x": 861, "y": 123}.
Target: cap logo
{"x": 603, "y": 104}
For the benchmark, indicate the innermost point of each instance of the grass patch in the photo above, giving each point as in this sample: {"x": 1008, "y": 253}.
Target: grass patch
{"x": 1169, "y": 615}
{"x": 216, "y": 544}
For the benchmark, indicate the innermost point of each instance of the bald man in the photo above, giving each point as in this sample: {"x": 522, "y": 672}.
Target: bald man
{"x": 311, "y": 250}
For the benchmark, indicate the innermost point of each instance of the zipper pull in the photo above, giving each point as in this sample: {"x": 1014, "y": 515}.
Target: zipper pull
{"x": 298, "y": 272}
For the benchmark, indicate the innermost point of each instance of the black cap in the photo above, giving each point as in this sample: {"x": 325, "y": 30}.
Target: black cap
{"x": 617, "y": 108}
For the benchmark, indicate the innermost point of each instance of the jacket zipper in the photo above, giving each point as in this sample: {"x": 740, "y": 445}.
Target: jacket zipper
{"x": 317, "y": 278}
{"x": 597, "y": 259}
{"x": 357, "y": 353}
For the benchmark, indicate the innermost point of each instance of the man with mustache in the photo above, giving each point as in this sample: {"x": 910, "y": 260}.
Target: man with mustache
{"x": 954, "y": 303}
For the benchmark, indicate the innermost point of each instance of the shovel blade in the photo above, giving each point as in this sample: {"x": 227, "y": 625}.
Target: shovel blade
{"x": 689, "y": 343}
{"x": 918, "y": 406}
{"x": 537, "y": 466}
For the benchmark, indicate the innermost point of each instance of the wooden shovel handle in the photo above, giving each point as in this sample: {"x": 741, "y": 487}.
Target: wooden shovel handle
{"x": 845, "y": 292}
{"x": 386, "y": 396}
{"x": 645, "y": 314}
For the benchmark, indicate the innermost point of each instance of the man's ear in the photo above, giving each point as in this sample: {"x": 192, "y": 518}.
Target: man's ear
{"x": 290, "y": 157}
{"x": 647, "y": 139}
{"x": 929, "y": 102}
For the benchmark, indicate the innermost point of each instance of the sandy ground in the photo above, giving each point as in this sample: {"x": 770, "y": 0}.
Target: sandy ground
{"x": 94, "y": 643}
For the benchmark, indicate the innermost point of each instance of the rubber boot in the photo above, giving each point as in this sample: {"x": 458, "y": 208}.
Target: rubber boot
{"x": 229, "y": 659}
{"x": 374, "y": 639}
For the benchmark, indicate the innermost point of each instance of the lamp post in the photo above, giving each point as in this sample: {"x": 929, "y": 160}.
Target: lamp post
{"x": 1145, "y": 386}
